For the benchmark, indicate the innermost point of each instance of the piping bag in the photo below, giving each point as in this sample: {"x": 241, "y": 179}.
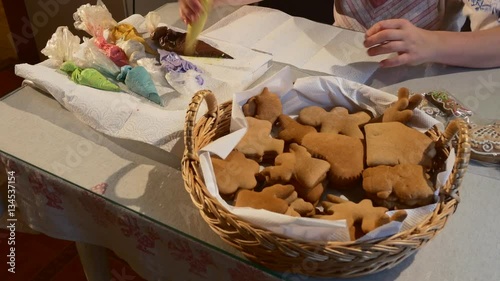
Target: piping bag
{"x": 194, "y": 29}
{"x": 88, "y": 77}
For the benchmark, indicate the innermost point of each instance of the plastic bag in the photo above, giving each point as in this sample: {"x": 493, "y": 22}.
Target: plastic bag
{"x": 125, "y": 31}
{"x": 139, "y": 81}
{"x": 88, "y": 77}
{"x": 152, "y": 20}
{"x": 158, "y": 76}
{"x": 93, "y": 19}
{"x": 133, "y": 49}
{"x": 154, "y": 69}
{"x": 90, "y": 56}
{"x": 62, "y": 46}
{"x": 181, "y": 70}
{"x": 112, "y": 51}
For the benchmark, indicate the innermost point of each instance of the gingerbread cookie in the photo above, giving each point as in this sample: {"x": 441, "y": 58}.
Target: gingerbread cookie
{"x": 257, "y": 143}
{"x": 361, "y": 218}
{"x": 394, "y": 143}
{"x": 265, "y": 106}
{"x": 337, "y": 121}
{"x": 275, "y": 198}
{"x": 402, "y": 186}
{"x": 282, "y": 191}
{"x": 291, "y": 212}
{"x": 402, "y": 109}
{"x": 447, "y": 104}
{"x": 485, "y": 142}
{"x": 301, "y": 208}
{"x": 234, "y": 172}
{"x": 299, "y": 164}
{"x": 291, "y": 130}
{"x": 311, "y": 195}
{"x": 345, "y": 155}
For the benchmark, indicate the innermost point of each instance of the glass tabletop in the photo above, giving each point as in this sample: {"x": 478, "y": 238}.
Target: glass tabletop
{"x": 42, "y": 134}
{"x": 37, "y": 130}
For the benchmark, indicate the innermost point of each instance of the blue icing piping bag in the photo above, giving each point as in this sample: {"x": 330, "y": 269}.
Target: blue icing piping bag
{"x": 139, "y": 81}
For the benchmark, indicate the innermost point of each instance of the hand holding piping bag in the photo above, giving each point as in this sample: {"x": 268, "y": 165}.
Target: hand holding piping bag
{"x": 196, "y": 27}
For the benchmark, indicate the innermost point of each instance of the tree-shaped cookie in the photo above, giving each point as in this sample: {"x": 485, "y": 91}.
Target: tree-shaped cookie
{"x": 258, "y": 142}
{"x": 234, "y": 172}
{"x": 299, "y": 164}
{"x": 401, "y": 186}
{"x": 361, "y": 217}
{"x": 265, "y": 106}
{"x": 337, "y": 121}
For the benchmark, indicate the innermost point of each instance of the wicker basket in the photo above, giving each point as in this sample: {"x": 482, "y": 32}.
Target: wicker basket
{"x": 331, "y": 259}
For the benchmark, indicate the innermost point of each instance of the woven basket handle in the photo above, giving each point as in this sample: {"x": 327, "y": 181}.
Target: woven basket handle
{"x": 458, "y": 127}
{"x": 192, "y": 111}
{"x": 455, "y": 126}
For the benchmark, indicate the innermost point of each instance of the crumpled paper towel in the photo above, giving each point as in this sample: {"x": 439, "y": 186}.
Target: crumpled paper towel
{"x": 117, "y": 114}
{"x": 325, "y": 91}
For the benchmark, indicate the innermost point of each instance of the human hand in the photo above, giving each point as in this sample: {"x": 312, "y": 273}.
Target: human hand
{"x": 412, "y": 45}
{"x": 190, "y": 10}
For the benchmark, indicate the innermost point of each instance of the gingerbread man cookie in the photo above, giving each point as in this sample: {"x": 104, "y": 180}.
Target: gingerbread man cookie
{"x": 299, "y": 164}
{"x": 361, "y": 217}
{"x": 337, "y": 121}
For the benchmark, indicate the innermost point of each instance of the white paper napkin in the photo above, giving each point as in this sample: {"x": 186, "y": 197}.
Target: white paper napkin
{"x": 116, "y": 114}
{"x": 297, "y": 41}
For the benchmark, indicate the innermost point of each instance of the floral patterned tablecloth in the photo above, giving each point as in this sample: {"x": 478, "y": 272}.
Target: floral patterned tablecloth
{"x": 65, "y": 211}
{"x": 74, "y": 183}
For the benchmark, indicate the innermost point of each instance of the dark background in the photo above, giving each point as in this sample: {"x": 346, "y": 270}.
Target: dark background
{"x": 317, "y": 10}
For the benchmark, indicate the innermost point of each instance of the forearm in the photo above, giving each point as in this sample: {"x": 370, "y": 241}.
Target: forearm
{"x": 478, "y": 49}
